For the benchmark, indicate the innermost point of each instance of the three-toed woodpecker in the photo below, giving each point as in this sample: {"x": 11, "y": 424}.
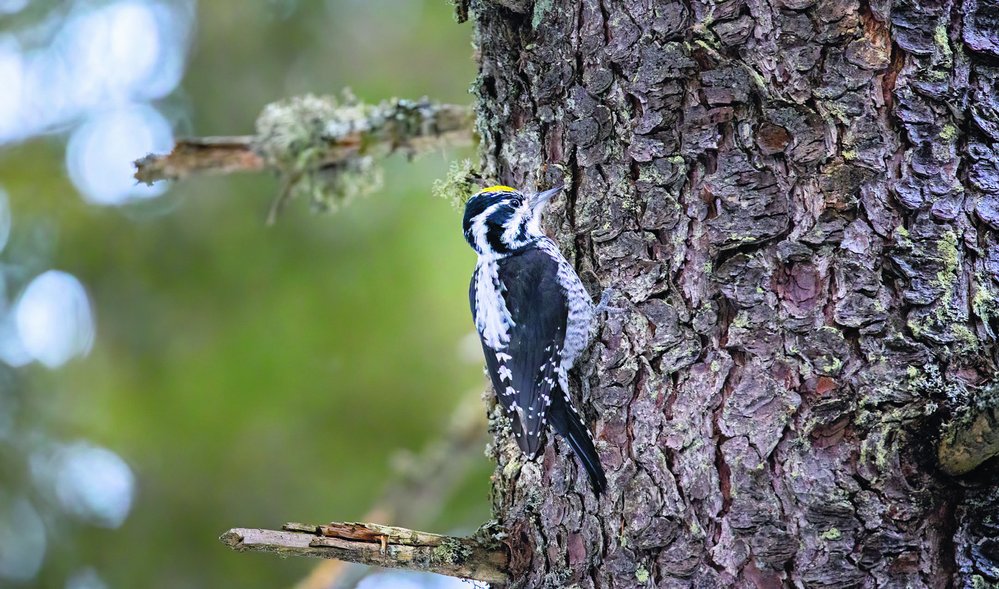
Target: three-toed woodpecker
{"x": 533, "y": 317}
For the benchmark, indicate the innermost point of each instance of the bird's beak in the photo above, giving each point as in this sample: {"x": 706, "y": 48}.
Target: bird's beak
{"x": 539, "y": 200}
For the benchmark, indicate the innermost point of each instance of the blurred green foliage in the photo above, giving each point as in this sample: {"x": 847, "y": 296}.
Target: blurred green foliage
{"x": 253, "y": 375}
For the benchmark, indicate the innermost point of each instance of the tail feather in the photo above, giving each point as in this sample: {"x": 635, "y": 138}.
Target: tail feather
{"x": 570, "y": 426}
{"x": 530, "y": 443}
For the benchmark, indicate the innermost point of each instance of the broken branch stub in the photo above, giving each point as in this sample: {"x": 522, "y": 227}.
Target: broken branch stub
{"x": 384, "y": 546}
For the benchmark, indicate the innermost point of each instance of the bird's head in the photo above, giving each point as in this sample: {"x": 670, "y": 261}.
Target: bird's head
{"x": 500, "y": 220}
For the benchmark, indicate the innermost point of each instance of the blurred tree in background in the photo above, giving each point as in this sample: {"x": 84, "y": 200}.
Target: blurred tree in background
{"x": 171, "y": 365}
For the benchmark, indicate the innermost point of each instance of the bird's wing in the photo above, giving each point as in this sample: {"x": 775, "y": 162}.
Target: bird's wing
{"x": 524, "y": 371}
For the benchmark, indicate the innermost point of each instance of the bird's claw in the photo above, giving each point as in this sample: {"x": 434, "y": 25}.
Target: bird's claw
{"x": 604, "y": 305}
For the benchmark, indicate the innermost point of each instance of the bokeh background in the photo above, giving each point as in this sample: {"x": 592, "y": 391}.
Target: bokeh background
{"x": 170, "y": 367}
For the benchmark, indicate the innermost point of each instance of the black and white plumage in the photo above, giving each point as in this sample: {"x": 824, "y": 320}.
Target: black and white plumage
{"x": 533, "y": 316}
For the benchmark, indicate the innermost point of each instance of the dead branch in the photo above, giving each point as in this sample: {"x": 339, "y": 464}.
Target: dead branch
{"x": 311, "y": 133}
{"x": 213, "y": 155}
{"x": 377, "y": 545}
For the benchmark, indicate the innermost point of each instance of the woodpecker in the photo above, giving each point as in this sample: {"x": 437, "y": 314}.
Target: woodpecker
{"x": 533, "y": 316}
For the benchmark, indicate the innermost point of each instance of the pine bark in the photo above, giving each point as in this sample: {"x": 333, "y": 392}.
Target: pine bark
{"x": 798, "y": 202}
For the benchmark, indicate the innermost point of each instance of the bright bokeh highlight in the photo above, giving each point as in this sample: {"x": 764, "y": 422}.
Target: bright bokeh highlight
{"x": 53, "y": 318}
{"x": 100, "y": 153}
{"x": 22, "y": 541}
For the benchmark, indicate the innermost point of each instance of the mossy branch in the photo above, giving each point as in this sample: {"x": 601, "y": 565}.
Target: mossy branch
{"x": 384, "y": 546}
{"x": 324, "y": 147}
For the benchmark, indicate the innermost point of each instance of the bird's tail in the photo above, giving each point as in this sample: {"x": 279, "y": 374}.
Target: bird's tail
{"x": 570, "y": 426}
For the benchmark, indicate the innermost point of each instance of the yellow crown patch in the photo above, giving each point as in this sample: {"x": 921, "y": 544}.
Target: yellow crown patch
{"x": 497, "y": 188}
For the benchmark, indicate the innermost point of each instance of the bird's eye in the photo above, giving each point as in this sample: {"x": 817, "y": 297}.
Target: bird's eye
{"x": 517, "y": 202}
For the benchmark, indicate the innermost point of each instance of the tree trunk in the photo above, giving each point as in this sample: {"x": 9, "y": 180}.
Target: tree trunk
{"x": 798, "y": 202}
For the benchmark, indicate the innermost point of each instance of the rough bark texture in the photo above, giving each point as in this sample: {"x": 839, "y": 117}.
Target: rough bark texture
{"x": 799, "y": 200}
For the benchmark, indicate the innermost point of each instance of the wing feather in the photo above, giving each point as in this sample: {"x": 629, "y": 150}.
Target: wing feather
{"x": 524, "y": 372}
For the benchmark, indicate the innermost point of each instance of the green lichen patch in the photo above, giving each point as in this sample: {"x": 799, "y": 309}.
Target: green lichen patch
{"x": 929, "y": 383}
{"x": 327, "y": 148}
{"x": 461, "y": 182}
{"x": 450, "y": 552}
{"x": 949, "y": 254}
{"x": 541, "y": 8}
{"x": 937, "y": 285}
{"x": 832, "y": 534}
{"x": 293, "y": 135}
{"x": 948, "y": 132}
{"x": 944, "y": 55}
{"x": 985, "y": 302}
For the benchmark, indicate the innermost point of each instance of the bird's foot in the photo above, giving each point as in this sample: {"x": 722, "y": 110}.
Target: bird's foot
{"x": 604, "y": 305}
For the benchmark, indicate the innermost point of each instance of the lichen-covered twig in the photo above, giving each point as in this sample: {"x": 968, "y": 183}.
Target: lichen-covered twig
{"x": 384, "y": 546}
{"x": 341, "y": 130}
{"x": 324, "y": 147}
